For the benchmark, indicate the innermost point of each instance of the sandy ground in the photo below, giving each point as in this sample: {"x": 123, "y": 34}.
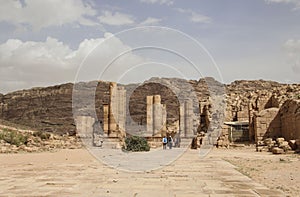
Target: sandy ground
{"x": 274, "y": 171}
{"x": 78, "y": 173}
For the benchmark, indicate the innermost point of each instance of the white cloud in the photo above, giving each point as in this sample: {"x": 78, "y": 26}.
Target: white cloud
{"x": 292, "y": 49}
{"x": 41, "y": 14}
{"x": 198, "y": 18}
{"x": 194, "y": 16}
{"x": 27, "y": 64}
{"x": 116, "y": 18}
{"x": 161, "y": 2}
{"x": 295, "y": 3}
{"x": 151, "y": 21}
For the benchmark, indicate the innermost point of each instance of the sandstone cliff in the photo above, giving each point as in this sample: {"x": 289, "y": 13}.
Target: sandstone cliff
{"x": 50, "y": 109}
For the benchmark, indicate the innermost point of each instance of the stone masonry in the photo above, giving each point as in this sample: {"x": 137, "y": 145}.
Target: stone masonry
{"x": 290, "y": 119}
{"x": 114, "y": 112}
{"x": 267, "y": 124}
{"x": 186, "y": 123}
{"x": 156, "y": 116}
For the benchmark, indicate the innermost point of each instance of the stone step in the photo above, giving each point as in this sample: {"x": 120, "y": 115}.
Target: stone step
{"x": 111, "y": 143}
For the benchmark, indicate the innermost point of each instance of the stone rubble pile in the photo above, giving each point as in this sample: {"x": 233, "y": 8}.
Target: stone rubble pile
{"x": 223, "y": 141}
{"x": 34, "y": 143}
{"x": 278, "y": 146}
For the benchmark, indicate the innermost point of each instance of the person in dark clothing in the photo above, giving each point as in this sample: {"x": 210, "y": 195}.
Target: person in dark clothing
{"x": 170, "y": 142}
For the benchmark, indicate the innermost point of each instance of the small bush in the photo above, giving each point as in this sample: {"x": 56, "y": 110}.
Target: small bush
{"x": 42, "y": 135}
{"x": 136, "y": 144}
{"x": 13, "y": 137}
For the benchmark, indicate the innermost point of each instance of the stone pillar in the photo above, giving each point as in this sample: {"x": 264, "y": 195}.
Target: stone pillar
{"x": 116, "y": 118}
{"x": 121, "y": 108}
{"x": 188, "y": 118}
{"x": 112, "y": 107}
{"x": 149, "y": 115}
{"x": 164, "y": 118}
{"x": 157, "y": 115}
{"x": 181, "y": 121}
{"x": 105, "y": 118}
{"x": 84, "y": 126}
{"x": 186, "y": 121}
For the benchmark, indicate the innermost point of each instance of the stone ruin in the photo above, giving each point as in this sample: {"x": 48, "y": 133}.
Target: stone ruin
{"x": 114, "y": 121}
{"x": 256, "y": 111}
{"x": 156, "y": 117}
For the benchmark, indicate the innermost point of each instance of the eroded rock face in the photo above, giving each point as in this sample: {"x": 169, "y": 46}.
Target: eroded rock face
{"x": 290, "y": 119}
{"x": 50, "y": 108}
{"x": 46, "y": 109}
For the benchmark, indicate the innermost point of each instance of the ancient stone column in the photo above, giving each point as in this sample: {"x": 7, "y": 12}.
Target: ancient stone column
{"x": 181, "y": 121}
{"x": 112, "y": 107}
{"x": 157, "y": 114}
{"x": 164, "y": 117}
{"x": 186, "y": 121}
{"x": 149, "y": 116}
{"x": 121, "y": 108}
{"x": 188, "y": 118}
{"x": 105, "y": 118}
{"x": 84, "y": 126}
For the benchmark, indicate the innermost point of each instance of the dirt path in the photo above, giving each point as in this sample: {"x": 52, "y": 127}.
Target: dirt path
{"x": 77, "y": 173}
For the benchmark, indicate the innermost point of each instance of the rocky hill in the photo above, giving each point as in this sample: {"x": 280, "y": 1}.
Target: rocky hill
{"x": 50, "y": 109}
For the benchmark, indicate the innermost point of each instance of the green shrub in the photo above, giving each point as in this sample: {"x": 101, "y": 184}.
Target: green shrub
{"x": 13, "y": 137}
{"x": 42, "y": 135}
{"x": 136, "y": 144}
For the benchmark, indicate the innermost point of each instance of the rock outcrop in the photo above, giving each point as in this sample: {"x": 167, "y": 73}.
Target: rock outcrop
{"x": 50, "y": 109}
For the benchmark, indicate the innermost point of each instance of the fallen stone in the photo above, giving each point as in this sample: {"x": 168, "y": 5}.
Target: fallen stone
{"x": 268, "y": 141}
{"x": 283, "y": 144}
{"x": 292, "y": 144}
{"x": 261, "y": 148}
{"x": 277, "y": 150}
{"x": 260, "y": 143}
{"x": 286, "y": 148}
{"x": 279, "y": 140}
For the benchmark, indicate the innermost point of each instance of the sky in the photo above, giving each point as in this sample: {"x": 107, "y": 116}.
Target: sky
{"x": 51, "y": 42}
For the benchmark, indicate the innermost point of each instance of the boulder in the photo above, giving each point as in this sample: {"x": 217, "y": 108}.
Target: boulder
{"x": 292, "y": 144}
{"x": 277, "y": 150}
{"x": 279, "y": 140}
{"x": 282, "y": 144}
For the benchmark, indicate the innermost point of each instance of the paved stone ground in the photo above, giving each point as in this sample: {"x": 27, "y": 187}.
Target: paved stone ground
{"x": 77, "y": 173}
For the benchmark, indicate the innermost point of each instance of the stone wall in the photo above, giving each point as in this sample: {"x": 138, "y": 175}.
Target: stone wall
{"x": 267, "y": 124}
{"x": 290, "y": 119}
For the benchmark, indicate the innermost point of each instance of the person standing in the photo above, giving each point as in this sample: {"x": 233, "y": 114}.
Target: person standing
{"x": 170, "y": 141}
{"x": 164, "y": 141}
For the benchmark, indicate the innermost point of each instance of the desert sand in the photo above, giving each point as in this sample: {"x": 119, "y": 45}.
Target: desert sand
{"x": 77, "y": 173}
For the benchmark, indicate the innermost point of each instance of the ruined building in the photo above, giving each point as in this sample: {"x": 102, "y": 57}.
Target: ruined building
{"x": 253, "y": 110}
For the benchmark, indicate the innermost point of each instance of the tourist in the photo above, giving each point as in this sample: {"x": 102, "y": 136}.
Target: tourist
{"x": 164, "y": 141}
{"x": 170, "y": 142}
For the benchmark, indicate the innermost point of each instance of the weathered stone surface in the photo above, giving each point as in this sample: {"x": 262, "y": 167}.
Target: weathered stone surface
{"x": 292, "y": 144}
{"x": 277, "y": 150}
{"x": 267, "y": 124}
{"x": 47, "y": 109}
{"x": 50, "y": 108}
{"x": 290, "y": 119}
{"x": 280, "y": 140}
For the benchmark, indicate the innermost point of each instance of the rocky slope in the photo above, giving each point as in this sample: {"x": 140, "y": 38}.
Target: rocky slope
{"x": 50, "y": 108}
